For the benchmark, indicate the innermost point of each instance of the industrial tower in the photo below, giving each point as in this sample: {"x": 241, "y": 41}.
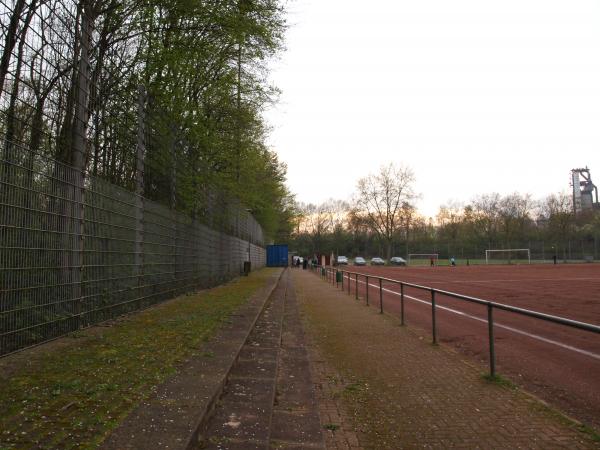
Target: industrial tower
{"x": 585, "y": 193}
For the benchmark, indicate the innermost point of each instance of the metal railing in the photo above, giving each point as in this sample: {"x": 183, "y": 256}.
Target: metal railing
{"x": 331, "y": 275}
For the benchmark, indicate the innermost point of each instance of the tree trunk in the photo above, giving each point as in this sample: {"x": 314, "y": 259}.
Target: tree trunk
{"x": 139, "y": 191}
{"x": 78, "y": 160}
{"x": 10, "y": 41}
{"x": 11, "y": 114}
{"x": 64, "y": 147}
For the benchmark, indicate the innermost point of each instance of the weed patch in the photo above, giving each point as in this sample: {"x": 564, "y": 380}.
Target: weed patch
{"x": 499, "y": 380}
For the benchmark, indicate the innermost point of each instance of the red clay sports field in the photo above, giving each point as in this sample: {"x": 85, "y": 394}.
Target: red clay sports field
{"x": 557, "y": 363}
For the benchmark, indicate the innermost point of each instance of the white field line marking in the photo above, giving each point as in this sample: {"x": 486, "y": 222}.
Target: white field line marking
{"x": 513, "y": 281}
{"x": 496, "y": 324}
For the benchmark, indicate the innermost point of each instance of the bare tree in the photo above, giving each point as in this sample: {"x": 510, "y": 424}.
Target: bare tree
{"x": 316, "y": 222}
{"x": 338, "y": 220}
{"x": 336, "y": 211}
{"x": 382, "y": 199}
{"x": 451, "y": 222}
{"x": 10, "y": 39}
{"x": 557, "y": 211}
{"x": 515, "y": 213}
{"x": 486, "y": 214}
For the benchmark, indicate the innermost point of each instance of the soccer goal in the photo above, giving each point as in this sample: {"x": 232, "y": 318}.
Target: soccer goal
{"x": 508, "y": 256}
{"x": 421, "y": 258}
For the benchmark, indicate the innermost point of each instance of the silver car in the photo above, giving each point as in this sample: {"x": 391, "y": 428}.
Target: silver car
{"x": 397, "y": 261}
{"x": 360, "y": 261}
{"x": 342, "y": 260}
{"x": 377, "y": 261}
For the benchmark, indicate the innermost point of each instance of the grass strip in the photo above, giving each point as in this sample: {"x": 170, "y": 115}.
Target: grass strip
{"x": 71, "y": 392}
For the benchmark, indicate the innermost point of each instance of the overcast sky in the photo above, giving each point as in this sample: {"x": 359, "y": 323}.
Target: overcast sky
{"x": 476, "y": 96}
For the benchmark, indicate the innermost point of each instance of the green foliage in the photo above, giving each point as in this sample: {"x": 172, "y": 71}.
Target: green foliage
{"x": 203, "y": 66}
{"x": 205, "y": 72}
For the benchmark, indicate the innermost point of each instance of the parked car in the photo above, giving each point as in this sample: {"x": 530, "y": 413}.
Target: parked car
{"x": 377, "y": 261}
{"x": 342, "y": 260}
{"x": 360, "y": 261}
{"x": 397, "y": 261}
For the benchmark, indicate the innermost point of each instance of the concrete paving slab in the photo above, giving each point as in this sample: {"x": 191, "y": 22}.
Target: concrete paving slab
{"x": 291, "y": 419}
{"x": 297, "y": 427}
{"x": 241, "y": 421}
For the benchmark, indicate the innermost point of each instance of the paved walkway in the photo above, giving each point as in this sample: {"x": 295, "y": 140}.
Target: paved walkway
{"x": 399, "y": 391}
{"x": 269, "y": 399}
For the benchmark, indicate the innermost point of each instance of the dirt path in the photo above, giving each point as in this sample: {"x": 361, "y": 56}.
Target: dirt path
{"x": 402, "y": 392}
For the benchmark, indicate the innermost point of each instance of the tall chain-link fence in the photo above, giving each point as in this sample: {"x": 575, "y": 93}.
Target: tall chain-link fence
{"x": 74, "y": 255}
{"x": 105, "y": 205}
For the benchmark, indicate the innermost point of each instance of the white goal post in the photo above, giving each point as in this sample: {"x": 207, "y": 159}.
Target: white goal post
{"x": 424, "y": 256}
{"x": 513, "y": 254}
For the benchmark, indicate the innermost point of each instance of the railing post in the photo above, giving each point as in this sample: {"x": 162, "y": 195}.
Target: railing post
{"x": 491, "y": 338}
{"x": 434, "y": 330}
{"x": 342, "y": 281}
{"x": 356, "y": 288}
{"x": 349, "y": 283}
{"x": 367, "y": 288}
{"x": 401, "y": 303}
{"x": 380, "y": 297}
{"x": 139, "y": 192}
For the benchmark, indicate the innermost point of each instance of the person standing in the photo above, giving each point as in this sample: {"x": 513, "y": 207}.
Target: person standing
{"x": 431, "y": 262}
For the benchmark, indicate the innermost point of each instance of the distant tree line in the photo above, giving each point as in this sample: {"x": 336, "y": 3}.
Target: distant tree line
{"x": 82, "y": 81}
{"x": 382, "y": 220}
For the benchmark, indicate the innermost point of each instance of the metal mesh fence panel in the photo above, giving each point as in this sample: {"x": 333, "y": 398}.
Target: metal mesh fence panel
{"x": 107, "y": 201}
{"x": 72, "y": 256}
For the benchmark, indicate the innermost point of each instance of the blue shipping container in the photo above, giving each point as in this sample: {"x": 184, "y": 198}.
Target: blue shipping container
{"x": 277, "y": 255}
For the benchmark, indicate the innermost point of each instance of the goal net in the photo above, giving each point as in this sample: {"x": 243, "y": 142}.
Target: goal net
{"x": 508, "y": 256}
{"x": 422, "y": 258}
